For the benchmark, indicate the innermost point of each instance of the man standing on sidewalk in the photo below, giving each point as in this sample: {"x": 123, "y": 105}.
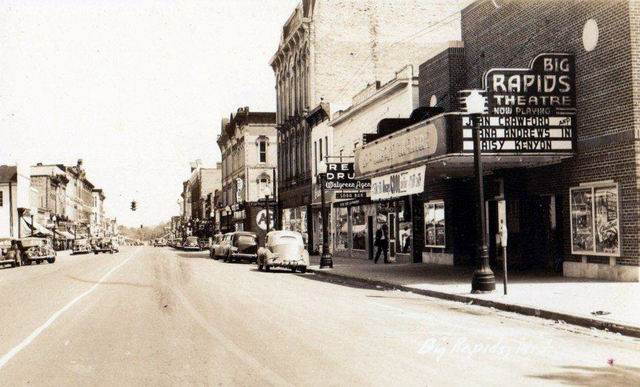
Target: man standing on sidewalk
{"x": 382, "y": 242}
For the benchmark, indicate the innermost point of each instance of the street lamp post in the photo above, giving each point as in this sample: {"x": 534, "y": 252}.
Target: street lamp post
{"x": 483, "y": 280}
{"x": 325, "y": 259}
{"x": 54, "y": 219}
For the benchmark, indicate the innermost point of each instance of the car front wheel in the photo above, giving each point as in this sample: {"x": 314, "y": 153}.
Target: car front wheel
{"x": 51, "y": 260}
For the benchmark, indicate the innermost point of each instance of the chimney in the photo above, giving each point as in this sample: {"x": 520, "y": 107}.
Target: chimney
{"x": 79, "y": 164}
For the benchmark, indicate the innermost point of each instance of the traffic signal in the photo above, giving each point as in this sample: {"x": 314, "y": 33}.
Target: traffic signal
{"x": 133, "y": 205}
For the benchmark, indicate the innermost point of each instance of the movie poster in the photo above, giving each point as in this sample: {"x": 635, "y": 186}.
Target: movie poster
{"x": 582, "y": 220}
{"x": 607, "y": 236}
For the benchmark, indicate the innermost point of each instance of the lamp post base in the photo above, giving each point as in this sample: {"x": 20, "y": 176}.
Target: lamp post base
{"x": 326, "y": 261}
{"x": 483, "y": 281}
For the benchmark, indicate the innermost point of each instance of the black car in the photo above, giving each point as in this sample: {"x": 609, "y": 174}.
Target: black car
{"x": 243, "y": 246}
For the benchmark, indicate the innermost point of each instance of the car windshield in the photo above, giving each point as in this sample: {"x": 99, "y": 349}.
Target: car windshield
{"x": 246, "y": 239}
{"x": 192, "y": 239}
{"x": 31, "y": 242}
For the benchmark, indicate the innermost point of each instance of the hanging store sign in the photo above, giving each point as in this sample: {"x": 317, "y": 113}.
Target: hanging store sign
{"x": 531, "y": 110}
{"x": 407, "y": 182}
{"x": 415, "y": 143}
{"x": 341, "y": 176}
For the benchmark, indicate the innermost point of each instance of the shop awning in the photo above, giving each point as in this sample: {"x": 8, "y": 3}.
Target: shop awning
{"x": 64, "y": 234}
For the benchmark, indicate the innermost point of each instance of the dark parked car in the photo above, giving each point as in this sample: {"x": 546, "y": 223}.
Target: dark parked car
{"x": 243, "y": 246}
{"x": 191, "y": 243}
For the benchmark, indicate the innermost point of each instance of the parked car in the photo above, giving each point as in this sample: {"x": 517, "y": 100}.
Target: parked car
{"x": 160, "y": 242}
{"x": 36, "y": 250}
{"x": 81, "y": 246}
{"x": 191, "y": 243}
{"x": 283, "y": 249}
{"x": 204, "y": 243}
{"x": 243, "y": 245}
{"x": 115, "y": 245}
{"x": 102, "y": 245}
{"x": 221, "y": 248}
{"x": 215, "y": 242}
{"x": 9, "y": 253}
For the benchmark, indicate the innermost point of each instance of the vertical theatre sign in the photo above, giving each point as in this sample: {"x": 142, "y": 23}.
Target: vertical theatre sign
{"x": 530, "y": 110}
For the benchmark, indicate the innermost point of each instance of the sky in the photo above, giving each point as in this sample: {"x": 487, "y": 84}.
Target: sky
{"x": 136, "y": 89}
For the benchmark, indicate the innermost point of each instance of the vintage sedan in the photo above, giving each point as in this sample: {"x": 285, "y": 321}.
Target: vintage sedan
{"x": 191, "y": 243}
{"x": 103, "y": 245}
{"x": 283, "y": 249}
{"x": 36, "y": 250}
{"x": 9, "y": 253}
{"x": 204, "y": 243}
{"x": 81, "y": 246}
{"x": 220, "y": 250}
{"x": 243, "y": 245}
{"x": 215, "y": 242}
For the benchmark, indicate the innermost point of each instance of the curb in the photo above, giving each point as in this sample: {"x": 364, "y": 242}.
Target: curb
{"x": 586, "y": 322}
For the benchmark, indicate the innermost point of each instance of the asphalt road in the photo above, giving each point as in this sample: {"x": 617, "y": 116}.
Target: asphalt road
{"x": 157, "y": 316}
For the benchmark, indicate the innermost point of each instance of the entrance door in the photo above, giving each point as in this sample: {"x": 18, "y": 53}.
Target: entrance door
{"x": 391, "y": 221}
{"x": 545, "y": 239}
{"x": 496, "y": 213}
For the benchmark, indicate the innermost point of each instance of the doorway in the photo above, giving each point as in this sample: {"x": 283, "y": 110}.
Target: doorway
{"x": 391, "y": 221}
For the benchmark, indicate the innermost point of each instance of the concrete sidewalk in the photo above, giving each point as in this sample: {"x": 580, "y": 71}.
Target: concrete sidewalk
{"x": 614, "y": 306}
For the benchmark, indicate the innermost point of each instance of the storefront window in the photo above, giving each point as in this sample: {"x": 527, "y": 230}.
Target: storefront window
{"x": 594, "y": 220}
{"x": 342, "y": 228}
{"x": 404, "y": 226}
{"x": 434, "y": 224}
{"x": 358, "y": 227}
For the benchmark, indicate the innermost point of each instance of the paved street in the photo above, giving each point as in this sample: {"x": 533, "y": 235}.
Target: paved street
{"x": 158, "y": 316}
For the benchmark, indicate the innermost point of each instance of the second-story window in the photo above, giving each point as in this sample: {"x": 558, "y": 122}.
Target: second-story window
{"x": 262, "y": 149}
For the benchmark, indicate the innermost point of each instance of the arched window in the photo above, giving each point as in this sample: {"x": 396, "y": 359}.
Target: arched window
{"x": 264, "y": 185}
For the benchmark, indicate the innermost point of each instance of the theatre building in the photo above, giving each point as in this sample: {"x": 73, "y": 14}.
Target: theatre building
{"x": 561, "y": 81}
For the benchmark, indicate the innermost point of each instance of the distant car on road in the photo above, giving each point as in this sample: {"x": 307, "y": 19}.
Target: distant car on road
{"x": 243, "y": 245}
{"x": 81, "y": 246}
{"x": 191, "y": 243}
{"x": 283, "y": 249}
{"x": 103, "y": 245}
{"x": 204, "y": 243}
{"x": 160, "y": 242}
{"x": 36, "y": 250}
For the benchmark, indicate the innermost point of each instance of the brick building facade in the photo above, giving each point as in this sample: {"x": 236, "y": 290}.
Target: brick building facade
{"x": 581, "y": 211}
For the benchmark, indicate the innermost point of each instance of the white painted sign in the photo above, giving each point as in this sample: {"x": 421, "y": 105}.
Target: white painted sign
{"x": 403, "y": 183}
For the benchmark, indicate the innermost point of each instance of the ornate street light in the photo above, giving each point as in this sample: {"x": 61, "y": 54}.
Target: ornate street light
{"x": 325, "y": 259}
{"x": 483, "y": 280}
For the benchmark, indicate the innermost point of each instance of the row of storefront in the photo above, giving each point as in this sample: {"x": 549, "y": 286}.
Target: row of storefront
{"x": 557, "y": 142}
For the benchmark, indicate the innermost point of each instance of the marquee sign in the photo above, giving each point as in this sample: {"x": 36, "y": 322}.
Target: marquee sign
{"x": 531, "y": 110}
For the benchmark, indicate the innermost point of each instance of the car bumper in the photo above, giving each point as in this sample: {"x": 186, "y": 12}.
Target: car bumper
{"x": 249, "y": 257}
{"x": 195, "y": 248}
{"x": 277, "y": 262}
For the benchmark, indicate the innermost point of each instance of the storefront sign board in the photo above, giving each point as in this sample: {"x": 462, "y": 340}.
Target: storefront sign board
{"x": 403, "y": 183}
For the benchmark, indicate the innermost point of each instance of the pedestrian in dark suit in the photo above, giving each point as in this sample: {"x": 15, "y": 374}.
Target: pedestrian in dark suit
{"x": 382, "y": 242}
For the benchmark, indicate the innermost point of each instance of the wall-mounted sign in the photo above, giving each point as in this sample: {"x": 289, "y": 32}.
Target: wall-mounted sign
{"x": 421, "y": 141}
{"x": 530, "y": 110}
{"x": 341, "y": 176}
{"x": 351, "y": 195}
{"x": 239, "y": 188}
{"x": 407, "y": 182}
{"x": 261, "y": 219}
